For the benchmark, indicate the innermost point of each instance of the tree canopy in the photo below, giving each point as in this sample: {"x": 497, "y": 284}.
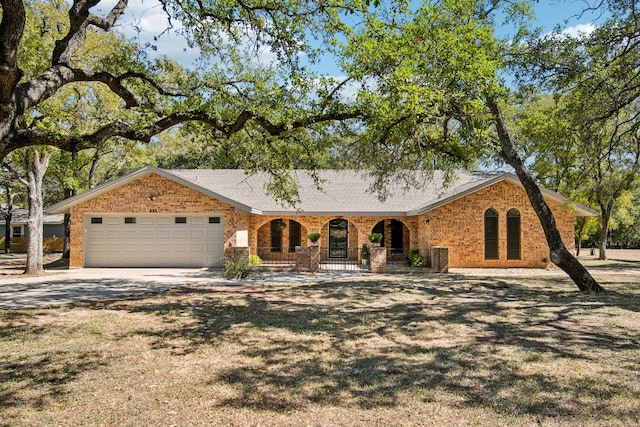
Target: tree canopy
{"x": 232, "y": 95}
{"x": 430, "y": 77}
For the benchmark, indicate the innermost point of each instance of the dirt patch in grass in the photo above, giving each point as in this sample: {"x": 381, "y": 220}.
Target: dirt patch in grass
{"x": 380, "y": 350}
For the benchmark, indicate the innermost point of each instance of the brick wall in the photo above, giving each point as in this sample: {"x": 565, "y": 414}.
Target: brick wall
{"x": 459, "y": 226}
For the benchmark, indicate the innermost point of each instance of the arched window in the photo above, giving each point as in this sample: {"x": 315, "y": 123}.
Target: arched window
{"x": 295, "y": 235}
{"x": 276, "y": 235}
{"x": 491, "y": 234}
{"x": 513, "y": 234}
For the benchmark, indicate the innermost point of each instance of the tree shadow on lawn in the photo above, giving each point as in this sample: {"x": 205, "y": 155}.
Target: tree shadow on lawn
{"x": 470, "y": 342}
{"x": 517, "y": 346}
{"x": 40, "y": 374}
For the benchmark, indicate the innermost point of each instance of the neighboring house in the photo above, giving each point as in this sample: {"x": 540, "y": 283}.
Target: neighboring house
{"x": 160, "y": 218}
{"x": 52, "y": 228}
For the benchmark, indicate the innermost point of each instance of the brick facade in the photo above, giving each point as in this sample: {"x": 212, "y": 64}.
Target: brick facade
{"x": 170, "y": 197}
{"x": 458, "y": 226}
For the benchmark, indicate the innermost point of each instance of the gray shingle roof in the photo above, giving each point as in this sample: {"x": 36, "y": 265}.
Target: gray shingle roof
{"x": 340, "y": 192}
{"x": 20, "y": 215}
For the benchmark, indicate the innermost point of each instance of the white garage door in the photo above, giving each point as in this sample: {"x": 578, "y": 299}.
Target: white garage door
{"x": 156, "y": 240}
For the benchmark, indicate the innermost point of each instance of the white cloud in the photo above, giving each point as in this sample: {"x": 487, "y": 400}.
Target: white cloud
{"x": 579, "y": 30}
{"x": 146, "y": 22}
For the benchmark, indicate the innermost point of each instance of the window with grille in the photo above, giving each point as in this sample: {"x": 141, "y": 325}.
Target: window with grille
{"x": 491, "y": 234}
{"x": 513, "y": 234}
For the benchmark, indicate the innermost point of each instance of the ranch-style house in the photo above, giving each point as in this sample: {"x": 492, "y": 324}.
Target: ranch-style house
{"x": 186, "y": 218}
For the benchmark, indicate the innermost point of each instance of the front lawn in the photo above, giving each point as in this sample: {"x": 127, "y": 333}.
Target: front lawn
{"x": 378, "y": 350}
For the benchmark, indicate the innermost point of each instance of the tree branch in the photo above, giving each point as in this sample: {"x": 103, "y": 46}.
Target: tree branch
{"x": 30, "y": 137}
{"x": 34, "y": 92}
{"x": 79, "y": 19}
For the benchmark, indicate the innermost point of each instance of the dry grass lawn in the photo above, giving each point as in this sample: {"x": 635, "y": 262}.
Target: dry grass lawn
{"x": 380, "y": 350}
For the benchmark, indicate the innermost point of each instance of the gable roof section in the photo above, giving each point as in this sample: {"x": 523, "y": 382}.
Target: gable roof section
{"x": 340, "y": 193}
{"x": 65, "y": 205}
{"x": 20, "y": 215}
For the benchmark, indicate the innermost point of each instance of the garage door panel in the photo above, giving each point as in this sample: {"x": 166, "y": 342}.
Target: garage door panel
{"x": 164, "y": 234}
{"x": 197, "y": 234}
{"x": 153, "y": 241}
{"x": 198, "y": 247}
{"x": 180, "y": 234}
{"x": 146, "y": 234}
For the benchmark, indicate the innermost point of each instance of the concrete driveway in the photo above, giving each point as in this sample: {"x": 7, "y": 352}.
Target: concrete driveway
{"x": 65, "y": 286}
{"x": 68, "y": 286}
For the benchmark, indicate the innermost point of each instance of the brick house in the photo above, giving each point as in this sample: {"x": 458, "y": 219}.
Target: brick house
{"x": 160, "y": 218}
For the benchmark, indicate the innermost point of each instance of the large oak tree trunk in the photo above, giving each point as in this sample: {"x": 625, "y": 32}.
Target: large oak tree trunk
{"x": 559, "y": 254}
{"x": 36, "y": 167}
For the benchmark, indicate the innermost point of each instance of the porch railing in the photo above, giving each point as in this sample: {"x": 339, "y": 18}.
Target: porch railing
{"x": 276, "y": 256}
{"x": 345, "y": 259}
{"x": 396, "y": 255}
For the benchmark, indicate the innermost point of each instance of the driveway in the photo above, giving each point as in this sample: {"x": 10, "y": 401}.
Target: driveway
{"x": 68, "y": 286}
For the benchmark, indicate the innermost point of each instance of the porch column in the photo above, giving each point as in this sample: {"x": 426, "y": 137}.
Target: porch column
{"x": 378, "y": 259}
{"x": 308, "y": 258}
{"x": 314, "y": 258}
{"x": 303, "y": 261}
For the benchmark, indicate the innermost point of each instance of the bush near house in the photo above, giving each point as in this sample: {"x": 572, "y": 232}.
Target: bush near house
{"x": 414, "y": 259}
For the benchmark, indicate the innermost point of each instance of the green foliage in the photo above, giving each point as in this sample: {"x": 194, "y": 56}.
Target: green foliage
{"x": 254, "y": 260}
{"x": 313, "y": 237}
{"x": 240, "y": 268}
{"x": 375, "y": 237}
{"x": 414, "y": 259}
{"x": 364, "y": 252}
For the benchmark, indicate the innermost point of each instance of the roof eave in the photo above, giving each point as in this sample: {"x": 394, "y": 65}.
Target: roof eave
{"x": 66, "y": 205}
{"x": 483, "y": 184}
{"x": 580, "y": 210}
{"x": 334, "y": 213}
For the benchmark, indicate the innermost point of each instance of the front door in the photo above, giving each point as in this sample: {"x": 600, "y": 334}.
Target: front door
{"x": 338, "y": 238}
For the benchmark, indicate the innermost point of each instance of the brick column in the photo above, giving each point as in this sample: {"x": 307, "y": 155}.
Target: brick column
{"x": 378, "y": 259}
{"x": 314, "y": 258}
{"x": 440, "y": 259}
{"x": 302, "y": 258}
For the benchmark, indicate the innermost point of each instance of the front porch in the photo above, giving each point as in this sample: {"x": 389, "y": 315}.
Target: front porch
{"x": 342, "y": 239}
{"x": 273, "y": 258}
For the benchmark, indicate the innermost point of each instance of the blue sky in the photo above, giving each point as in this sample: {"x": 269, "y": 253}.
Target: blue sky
{"x": 149, "y": 17}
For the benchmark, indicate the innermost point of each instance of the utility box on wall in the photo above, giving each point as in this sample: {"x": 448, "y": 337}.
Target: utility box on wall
{"x": 440, "y": 259}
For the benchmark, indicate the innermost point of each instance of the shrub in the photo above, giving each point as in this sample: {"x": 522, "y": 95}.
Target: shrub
{"x": 314, "y": 237}
{"x": 239, "y": 269}
{"x": 364, "y": 253}
{"x": 254, "y": 260}
{"x": 414, "y": 259}
{"x": 375, "y": 237}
